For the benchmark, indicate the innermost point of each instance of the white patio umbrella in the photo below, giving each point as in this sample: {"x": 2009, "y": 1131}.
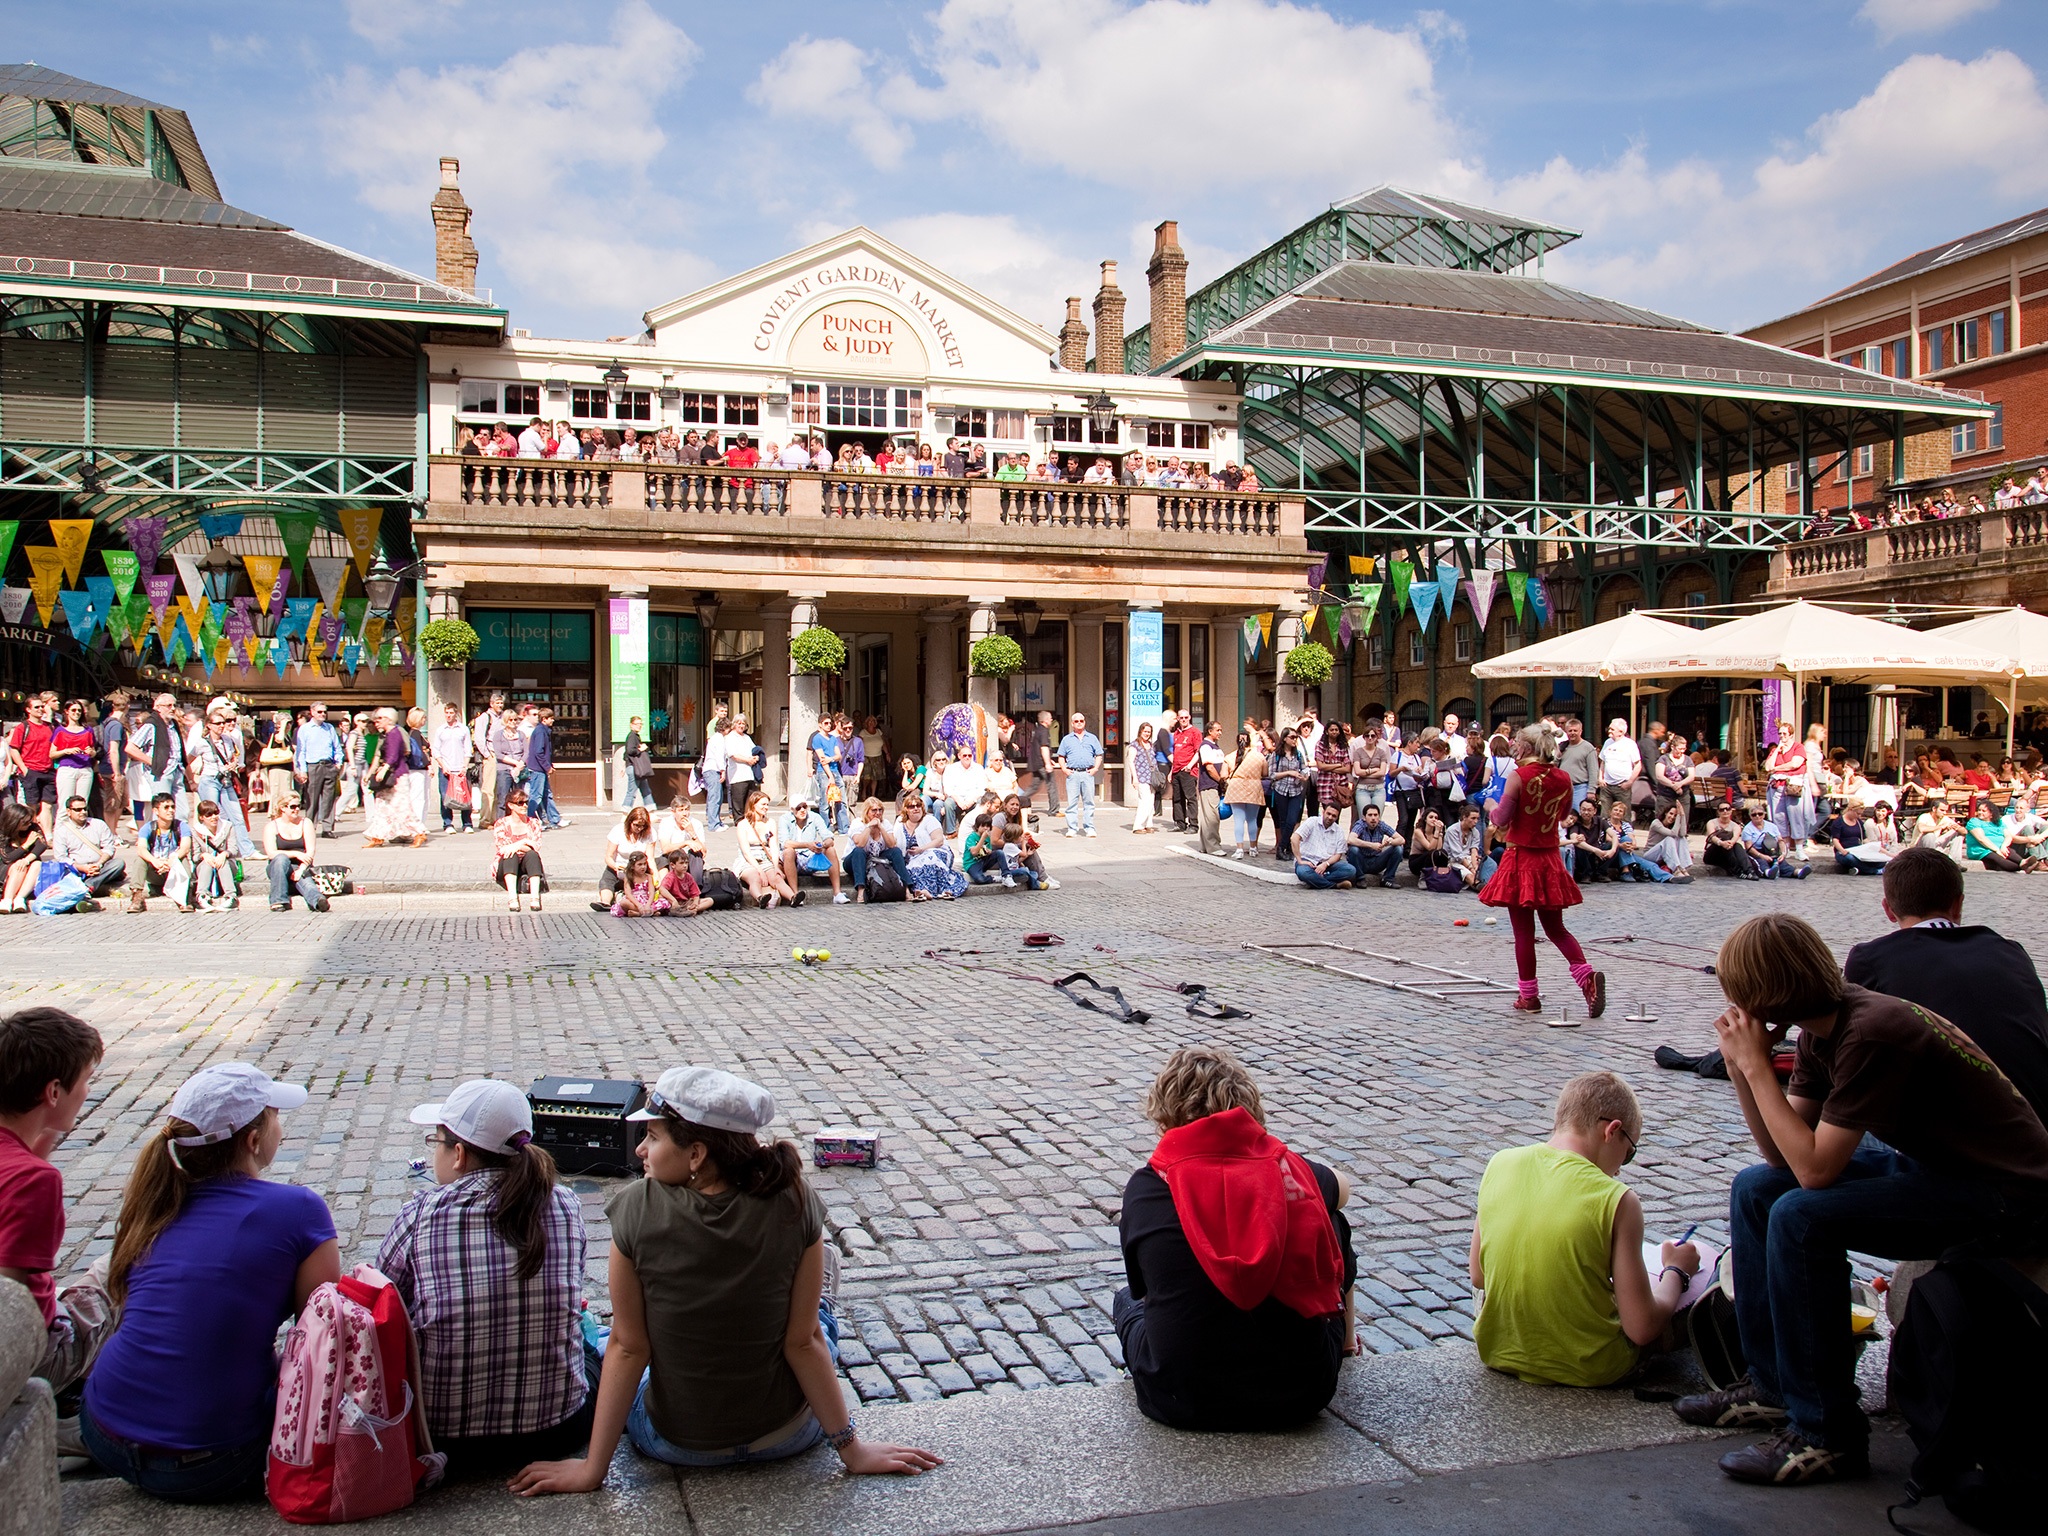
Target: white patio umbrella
{"x": 1594, "y": 652}
{"x": 2016, "y": 632}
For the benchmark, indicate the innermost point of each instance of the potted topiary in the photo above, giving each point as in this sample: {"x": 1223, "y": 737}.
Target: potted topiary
{"x": 995, "y": 656}
{"x": 818, "y": 650}
{"x": 1309, "y": 664}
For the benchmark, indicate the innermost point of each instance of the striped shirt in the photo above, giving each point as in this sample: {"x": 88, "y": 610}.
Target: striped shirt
{"x": 498, "y": 1356}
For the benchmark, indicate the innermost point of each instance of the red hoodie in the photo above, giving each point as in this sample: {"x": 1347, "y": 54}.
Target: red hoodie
{"x": 1253, "y": 1214}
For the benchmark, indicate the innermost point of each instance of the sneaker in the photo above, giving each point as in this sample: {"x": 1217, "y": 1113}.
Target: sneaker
{"x": 1070, "y": 832}
{"x": 1789, "y": 1459}
{"x": 1595, "y": 989}
{"x": 1009, "y": 883}
{"x": 1051, "y": 884}
{"x": 68, "y": 1441}
{"x": 1736, "y": 1407}
{"x": 1089, "y": 833}
{"x": 840, "y": 899}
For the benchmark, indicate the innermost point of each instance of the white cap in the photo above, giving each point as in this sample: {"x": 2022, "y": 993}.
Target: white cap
{"x": 227, "y": 1097}
{"x": 707, "y": 1096}
{"x": 490, "y": 1115}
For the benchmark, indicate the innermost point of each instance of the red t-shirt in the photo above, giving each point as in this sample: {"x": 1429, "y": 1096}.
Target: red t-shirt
{"x": 31, "y": 1218}
{"x": 32, "y": 739}
{"x": 741, "y": 458}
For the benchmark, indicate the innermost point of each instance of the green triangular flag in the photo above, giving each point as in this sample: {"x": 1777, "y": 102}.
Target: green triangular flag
{"x": 136, "y": 606}
{"x": 1402, "y": 573}
{"x": 353, "y": 611}
{"x": 7, "y": 533}
{"x": 1518, "y": 588}
{"x": 1368, "y": 597}
{"x": 1251, "y": 636}
{"x": 123, "y": 568}
{"x": 296, "y": 529}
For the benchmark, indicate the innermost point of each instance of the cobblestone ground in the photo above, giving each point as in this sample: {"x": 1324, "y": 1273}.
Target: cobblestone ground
{"x": 981, "y": 1254}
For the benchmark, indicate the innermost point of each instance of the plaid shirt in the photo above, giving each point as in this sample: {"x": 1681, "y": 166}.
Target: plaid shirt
{"x": 497, "y": 1356}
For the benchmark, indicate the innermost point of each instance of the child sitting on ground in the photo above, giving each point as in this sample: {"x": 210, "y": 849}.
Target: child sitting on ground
{"x": 639, "y": 895}
{"x": 1015, "y": 870}
{"x": 1558, "y": 1248}
{"x": 984, "y": 858}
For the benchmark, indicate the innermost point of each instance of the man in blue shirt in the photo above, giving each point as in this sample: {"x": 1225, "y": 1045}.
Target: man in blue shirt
{"x": 316, "y": 764}
{"x": 824, "y": 753}
{"x": 540, "y": 762}
{"x": 1374, "y": 849}
{"x": 1080, "y": 750}
{"x": 808, "y": 847}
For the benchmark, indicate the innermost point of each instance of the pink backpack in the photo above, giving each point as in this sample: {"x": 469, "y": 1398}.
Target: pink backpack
{"x": 350, "y": 1439}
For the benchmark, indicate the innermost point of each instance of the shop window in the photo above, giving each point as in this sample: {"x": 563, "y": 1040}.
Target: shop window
{"x": 1043, "y": 682}
{"x": 636, "y": 405}
{"x": 675, "y": 685}
{"x": 1195, "y": 434}
{"x": 1416, "y": 655}
{"x": 856, "y": 405}
{"x": 804, "y": 406}
{"x": 743, "y": 410}
{"x": 736, "y": 672}
{"x": 1067, "y": 429}
{"x": 702, "y": 409}
{"x": 1198, "y": 673}
{"x": 593, "y": 404}
{"x": 540, "y": 656}
{"x": 1173, "y": 695}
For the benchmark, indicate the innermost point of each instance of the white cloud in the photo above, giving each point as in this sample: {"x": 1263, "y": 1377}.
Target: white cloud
{"x": 1166, "y": 95}
{"x": 1895, "y": 19}
{"x": 1689, "y": 239}
{"x": 826, "y": 80}
{"x": 1015, "y": 264}
{"x": 560, "y": 146}
{"x": 388, "y": 23}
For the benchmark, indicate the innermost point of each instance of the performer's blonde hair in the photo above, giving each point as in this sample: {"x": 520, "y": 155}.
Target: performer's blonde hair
{"x": 1542, "y": 740}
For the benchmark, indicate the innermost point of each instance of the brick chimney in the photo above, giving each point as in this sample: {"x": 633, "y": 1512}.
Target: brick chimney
{"x": 1074, "y": 339}
{"x": 1167, "y": 274}
{"x": 1109, "y": 323}
{"x": 454, "y": 251}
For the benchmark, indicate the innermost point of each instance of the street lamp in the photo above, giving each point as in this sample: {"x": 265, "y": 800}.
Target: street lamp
{"x": 217, "y": 573}
{"x": 381, "y": 583}
{"x": 707, "y": 610}
{"x": 1102, "y": 415}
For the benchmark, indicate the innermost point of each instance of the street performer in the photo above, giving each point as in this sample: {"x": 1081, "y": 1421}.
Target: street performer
{"x": 1532, "y": 881}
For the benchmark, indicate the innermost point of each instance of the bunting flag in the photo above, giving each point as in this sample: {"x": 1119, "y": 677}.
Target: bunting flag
{"x": 146, "y": 538}
{"x": 1368, "y": 598}
{"x": 1265, "y": 629}
{"x": 117, "y": 626}
{"x": 7, "y": 533}
{"x": 13, "y": 603}
{"x": 190, "y": 615}
{"x": 1518, "y": 586}
{"x": 47, "y": 576}
{"x": 1308, "y": 621}
{"x": 1539, "y": 599}
{"x": 1479, "y": 591}
{"x": 280, "y": 654}
{"x": 263, "y": 571}
{"x": 359, "y": 527}
{"x": 372, "y": 631}
{"x": 138, "y": 626}
{"x": 353, "y": 611}
{"x": 206, "y": 662}
{"x": 159, "y": 589}
{"x": 1447, "y": 587}
{"x": 1316, "y": 571}
{"x": 296, "y": 529}
{"x": 81, "y": 614}
{"x": 1345, "y": 629}
{"x": 71, "y": 535}
{"x": 408, "y": 612}
{"x": 1251, "y": 636}
{"x": 188, "y": 572}
{"x": 298, "y": 615}
{"x": 1361, "y": 565}
{"x": 103, "y": 597}
{"x": 242, "y": 621}
{"x": 179, "y": 650}
{"x": 221, "y": 651}
{"x": 220, "y": 525}
{"x": 1422, "y": 596}
{"x": 329, "y": 629}
{"x": 1400, "y": 572}
{"x": 123, "y": 566}
{"x": 278, "y": 589}
{"x": 330, "y": 575}
{"x": 352, "y": 657}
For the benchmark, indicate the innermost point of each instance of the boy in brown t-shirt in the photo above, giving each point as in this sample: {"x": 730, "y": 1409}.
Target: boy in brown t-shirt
{"x": 1963, "y": 1155}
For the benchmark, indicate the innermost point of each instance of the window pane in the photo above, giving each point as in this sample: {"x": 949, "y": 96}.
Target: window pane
{"x": 591, "y": 404}
{"x": 1198, "y": 672}
{"x": 1194, "y": 434}
{"x": 1997, "y": 331}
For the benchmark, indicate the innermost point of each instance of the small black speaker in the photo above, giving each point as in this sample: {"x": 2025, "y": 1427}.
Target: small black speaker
{"x": 582, "y": 1122}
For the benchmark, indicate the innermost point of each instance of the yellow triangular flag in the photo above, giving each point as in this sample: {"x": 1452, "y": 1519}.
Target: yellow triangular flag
{"x": 1265, "y": 629}
{"x": 194, "y": 615}
{"x": 359, "y": 527}
{"x": 48, "y": 568}
{"x": 221, "y": 650}
{"x": 373, "y": 632}
{"x": 72, "y": 535}
{"x": 262, "y": 571}
{"x": 1308, "y": 622}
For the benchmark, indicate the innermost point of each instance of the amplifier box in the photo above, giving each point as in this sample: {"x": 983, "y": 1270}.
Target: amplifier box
{"x": 582, "y": 1122}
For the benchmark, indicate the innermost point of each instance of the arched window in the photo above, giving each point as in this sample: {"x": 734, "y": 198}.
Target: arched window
{"x": 1510, "y": 710}
{"x": 1414, "y": 716}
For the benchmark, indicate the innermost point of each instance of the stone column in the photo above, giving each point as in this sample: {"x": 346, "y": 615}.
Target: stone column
{"x": 981, "y": 623}
{"x": 445, "y": 685}
{"x": 767, "y": 732}
{"x": 940, "y": 681}
{"x": 805, "y": 690}
{"x": 1287, "y": 697}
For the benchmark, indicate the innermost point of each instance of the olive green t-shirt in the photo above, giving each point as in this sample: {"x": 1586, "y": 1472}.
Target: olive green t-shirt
{"x": 716, "y": 1272}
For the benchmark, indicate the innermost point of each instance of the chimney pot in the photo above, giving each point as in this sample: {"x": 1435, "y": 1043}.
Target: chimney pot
{"x": 1109, "y": 323}
{"x": 454, "y": 251}
{"x": 449, "y": 167}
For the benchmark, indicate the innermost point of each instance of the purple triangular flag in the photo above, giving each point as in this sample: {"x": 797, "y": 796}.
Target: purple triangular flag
{"x": 146, "y": 538}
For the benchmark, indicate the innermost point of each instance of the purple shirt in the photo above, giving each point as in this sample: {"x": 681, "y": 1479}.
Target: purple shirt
{"x": 851, "y": 756}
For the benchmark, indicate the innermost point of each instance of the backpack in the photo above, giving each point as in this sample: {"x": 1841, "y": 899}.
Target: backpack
{"x": 723, "y": 887}
{"x": 884, "y": 884}
{"x": 1710, "y": 1329}
{"x": 1964, "y": 1372}
{"x": 350, "y": 1439}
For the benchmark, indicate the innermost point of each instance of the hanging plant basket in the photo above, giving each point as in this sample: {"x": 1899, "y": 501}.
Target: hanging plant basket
{"x": 1309, "y": 664}
{"x": 448, "y": 643}
{"x": 818, "y": 650}
{"x": 995, "y": 656}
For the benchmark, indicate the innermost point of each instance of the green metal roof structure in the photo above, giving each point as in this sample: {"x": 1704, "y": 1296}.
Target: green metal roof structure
{"x": 45, "y": 115}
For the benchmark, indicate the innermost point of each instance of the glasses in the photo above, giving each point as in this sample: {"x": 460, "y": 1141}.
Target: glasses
{"x": 1631, "y": 1143}
{"x": 436, "y": 1139}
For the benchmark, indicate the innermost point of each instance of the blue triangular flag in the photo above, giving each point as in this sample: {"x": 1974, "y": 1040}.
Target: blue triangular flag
{"x": 82, "y": 614}
{"x": 1539, "y": 599}
{"x": 279, "y": 655}
{"x": 1447, "y": 586}
{"x": 102, "y": 590}
{"x": 1422, "y": 596}
{"x": 220, "y": 525}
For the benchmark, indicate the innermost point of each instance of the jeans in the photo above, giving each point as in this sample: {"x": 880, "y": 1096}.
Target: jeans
{"x": 648, "y": 1441}
{"x": 857, "y": 858}
{"x": 639, "y": 791}
{"x": 282, "y": 884}
{"x": 214, "y": 883}
{"x": 320, "y": 795}
{"x": 838, "y": 817}
{"x": 1791, "y": 1249}
{"x": 507, "y": 778}
{"x": 714, "y": 795}
{"x": 1339, "y": 871}
{"x": 540, "y": 799}
{"x": 1286, "y": 817}
{"x": 1080, "y": 801}
{"x": 222, "y": 793}
{"x": 1381, "y": 863}
{"x": 180, "y": 1477}
{"x": 1633, "y": 863}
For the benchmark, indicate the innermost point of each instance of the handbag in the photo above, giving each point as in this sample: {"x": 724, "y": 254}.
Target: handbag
{"x": 334, "y": 880}
{"x": 1223, "y": 811}
{"x": 1448, "y": 881}
{"x": 274, "y": 757}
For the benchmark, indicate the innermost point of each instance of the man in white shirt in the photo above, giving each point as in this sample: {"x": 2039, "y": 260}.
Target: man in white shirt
{"x": 821, "y": 456}
{"x": 711, "y": 769}
{"x": 808, "y": 847}
{"x": 449, "y": 755}
{"x": 963, "y": 783}
{"x": 794, "y": 455}
{"x": 566, "y": 445}
{"x": 1621, "y": 764}
{"x": 742, "y": 760}
{"x": 533, "y": 442}
{"x": 1454, "y": 738}
{"x": 480, "y": 732}
{"x": 1319, "y": 849}
{"x": 88, "y": 846}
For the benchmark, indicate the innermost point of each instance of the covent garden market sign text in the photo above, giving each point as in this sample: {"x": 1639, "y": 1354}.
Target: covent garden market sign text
{"x": 853, "y": 277}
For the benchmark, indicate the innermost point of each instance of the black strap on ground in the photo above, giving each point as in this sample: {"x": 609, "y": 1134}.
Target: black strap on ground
{"x": 1200, "y": 1007}
{"x": 1097, "y": 998}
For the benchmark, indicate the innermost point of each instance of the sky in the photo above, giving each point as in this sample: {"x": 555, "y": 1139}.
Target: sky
{"x": 1727, "y": 161}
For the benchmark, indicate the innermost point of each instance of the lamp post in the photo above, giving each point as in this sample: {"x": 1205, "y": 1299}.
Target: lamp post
{"x": 1102, "y": 416}
{"x": 381, "y": 584}
{"x": 217, "y": 573}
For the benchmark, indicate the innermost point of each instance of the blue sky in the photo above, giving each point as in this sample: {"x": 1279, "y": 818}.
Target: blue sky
{"x": 1728, "y": 160}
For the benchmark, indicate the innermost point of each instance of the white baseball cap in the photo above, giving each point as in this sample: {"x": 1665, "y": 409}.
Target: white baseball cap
{"x": 227, "y": 1097}
{"x": 707, "y": 1096}
{"x": 488, "y": 1114}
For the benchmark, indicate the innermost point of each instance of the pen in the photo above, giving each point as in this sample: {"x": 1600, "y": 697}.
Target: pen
{"x": 1689, "y": 1232}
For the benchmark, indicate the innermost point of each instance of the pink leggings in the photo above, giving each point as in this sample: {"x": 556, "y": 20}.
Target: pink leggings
{"x": 1523, "y": 921}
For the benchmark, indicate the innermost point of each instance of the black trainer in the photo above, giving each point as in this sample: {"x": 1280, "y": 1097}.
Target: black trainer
{"x": 1736, "y": 1407}
{"x": 1788, "y": 1459}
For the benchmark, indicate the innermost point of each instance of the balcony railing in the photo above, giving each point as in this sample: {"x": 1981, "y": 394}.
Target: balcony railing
{"x": 1871, "y": 558}
{"x": 715, "y": 499}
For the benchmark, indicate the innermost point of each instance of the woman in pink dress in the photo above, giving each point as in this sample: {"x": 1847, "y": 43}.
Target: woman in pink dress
{"x": 1532, "y": 882}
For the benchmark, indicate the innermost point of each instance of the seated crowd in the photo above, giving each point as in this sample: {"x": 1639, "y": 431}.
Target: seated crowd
{"x": 1899, "y": 1133}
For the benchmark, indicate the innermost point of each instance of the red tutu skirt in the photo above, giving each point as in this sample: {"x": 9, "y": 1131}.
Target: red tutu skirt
{"x": 1531, "y": 877}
